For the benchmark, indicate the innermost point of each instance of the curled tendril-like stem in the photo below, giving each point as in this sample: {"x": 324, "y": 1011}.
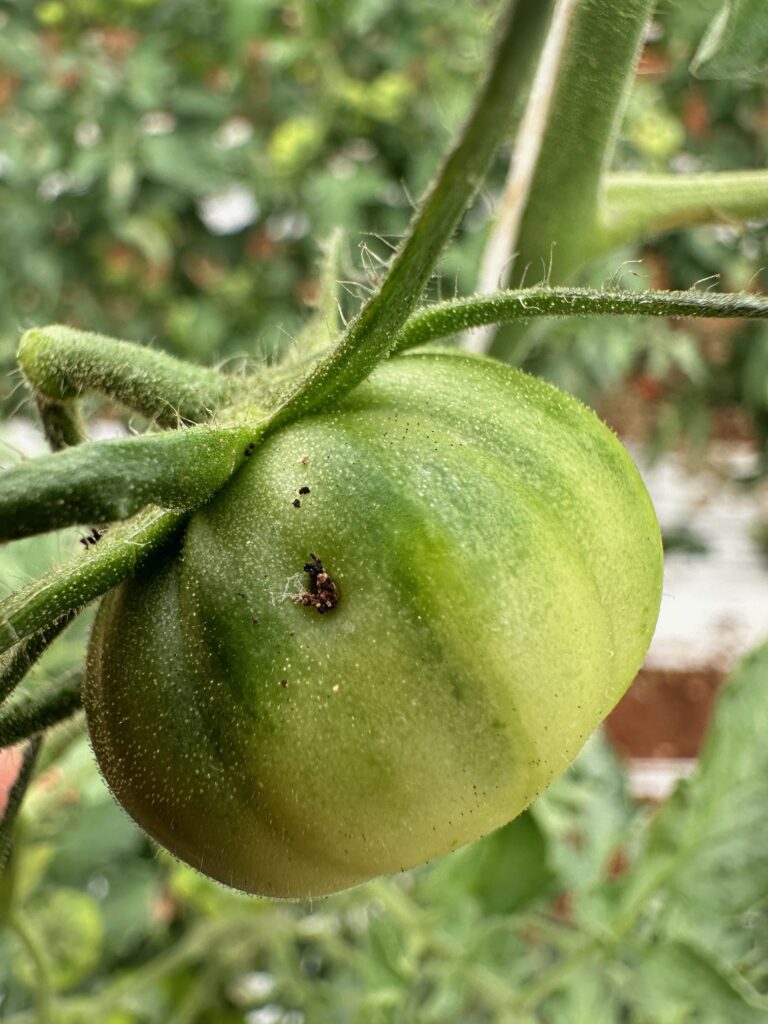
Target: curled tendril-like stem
{"x": 62, "y": 364}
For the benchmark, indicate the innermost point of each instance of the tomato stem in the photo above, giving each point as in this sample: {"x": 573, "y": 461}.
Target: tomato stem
{"x": 15, "y": 798}
{"x": 42, "y": 968}
{"x": 561, "y": 212}
{"x": 644, "y": 204}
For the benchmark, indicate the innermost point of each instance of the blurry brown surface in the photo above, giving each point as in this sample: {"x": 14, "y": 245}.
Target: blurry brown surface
{"x": 664, "y": 713}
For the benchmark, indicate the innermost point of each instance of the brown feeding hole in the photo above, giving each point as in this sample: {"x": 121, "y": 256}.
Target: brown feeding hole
{"x": 322, "y": 593}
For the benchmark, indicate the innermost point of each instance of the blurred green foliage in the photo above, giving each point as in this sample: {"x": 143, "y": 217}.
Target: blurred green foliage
{"x": 167, "y": 169}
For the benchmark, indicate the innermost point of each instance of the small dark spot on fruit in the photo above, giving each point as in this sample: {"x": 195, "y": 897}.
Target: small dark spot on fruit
{"x": 296, "y": 503}
{"x": 239, "y": 594}
{"x": 255, "y": 622}
{"x": 284, "y": 683}
{"x": 303, "y": 490}
{"x": 250, "y": 449}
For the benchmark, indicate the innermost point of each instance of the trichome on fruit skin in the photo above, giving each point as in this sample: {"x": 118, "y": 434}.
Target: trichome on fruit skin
{"x": 323, "y": 593}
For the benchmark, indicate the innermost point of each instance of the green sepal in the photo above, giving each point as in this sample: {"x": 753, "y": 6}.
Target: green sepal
{"x": 104, "y": 481}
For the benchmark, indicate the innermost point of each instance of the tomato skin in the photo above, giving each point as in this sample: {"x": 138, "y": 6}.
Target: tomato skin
{"x": 498, "y": 567}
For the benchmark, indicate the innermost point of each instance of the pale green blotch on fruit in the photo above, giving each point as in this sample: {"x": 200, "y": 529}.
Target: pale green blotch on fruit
{"x": 498, "y": 568}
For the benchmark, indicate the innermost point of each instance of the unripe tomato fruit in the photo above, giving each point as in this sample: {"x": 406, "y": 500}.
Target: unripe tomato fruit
{"x": 497, "y": 564}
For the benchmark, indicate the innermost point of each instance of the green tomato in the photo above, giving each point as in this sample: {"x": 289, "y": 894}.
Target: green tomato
{"x": 496, "y": 573}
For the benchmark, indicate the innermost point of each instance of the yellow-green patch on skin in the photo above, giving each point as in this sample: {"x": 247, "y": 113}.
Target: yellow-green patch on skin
{"x": 498, "y": 570}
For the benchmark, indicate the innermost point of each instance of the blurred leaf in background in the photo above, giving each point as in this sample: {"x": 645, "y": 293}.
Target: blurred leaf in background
{"x": 167, "y": 170}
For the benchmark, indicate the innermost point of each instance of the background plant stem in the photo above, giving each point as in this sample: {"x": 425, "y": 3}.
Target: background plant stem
{"x": 15, "y": 664}
{"x": 646, "y": 204}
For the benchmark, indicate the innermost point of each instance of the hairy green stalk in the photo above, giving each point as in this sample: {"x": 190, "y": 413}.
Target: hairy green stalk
{"x": 38, "y": 711}
{"x": 80, "y": 580}
{"x": 370, "y": 337}
{"x": 104, "y": 481}
{"x": 61, "y": 364}
{"x": 457, "y": 315}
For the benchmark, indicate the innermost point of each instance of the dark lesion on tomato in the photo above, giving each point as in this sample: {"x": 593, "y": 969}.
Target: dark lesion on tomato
{"x": 323, "y": 594}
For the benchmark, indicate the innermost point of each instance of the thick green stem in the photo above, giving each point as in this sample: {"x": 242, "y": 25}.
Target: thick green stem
{"x": 103, "y": 481}
{"x": 371, "y": 335}
{"x": 446, "y": 318}
{"x": 62, "y": 364}
{"x": 496, "y": 264}
{"x": 15, "y": 664}
{"x": 78, "y": 582}
{"x": 557, "y": 228}
{"x": 38, "y": 711}
{"x": 637, "y": 205}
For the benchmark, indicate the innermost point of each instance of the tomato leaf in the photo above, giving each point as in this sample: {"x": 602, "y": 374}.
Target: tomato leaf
{"x": 703, "y": 873}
